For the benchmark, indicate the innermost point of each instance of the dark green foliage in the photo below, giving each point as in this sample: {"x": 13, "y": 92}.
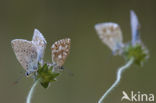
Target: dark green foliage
{"x": 45, "y": 75}
{"x": 138, "y": 52}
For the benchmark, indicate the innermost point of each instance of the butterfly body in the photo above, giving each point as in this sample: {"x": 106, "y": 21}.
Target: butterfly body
{"x": 26, "y": 53}
{"x": 110, "y": 34}
{"x": 30, "y": 53}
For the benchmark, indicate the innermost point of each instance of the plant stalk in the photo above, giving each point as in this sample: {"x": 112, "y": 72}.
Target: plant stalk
{"x": 119, "y": 73}
{"x": 30, "y": 94}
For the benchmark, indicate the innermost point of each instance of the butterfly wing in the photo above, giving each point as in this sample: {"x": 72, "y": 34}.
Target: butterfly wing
{"x": 135, "y": 26}
{"x": 40, "y": 42}
{"x": 60, "y": 51}
{"x": 110, "y": 34}
{"x": 26, "y": 53}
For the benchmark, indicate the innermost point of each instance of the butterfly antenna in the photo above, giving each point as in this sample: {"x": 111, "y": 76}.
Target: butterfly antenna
{"x": 109, "y": 57}
{"x": 19, "y": 78}
{"x": 70, "y": 73}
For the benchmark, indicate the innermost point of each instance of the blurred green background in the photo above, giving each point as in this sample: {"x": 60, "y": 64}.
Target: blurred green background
{"x": 90, "y": 61}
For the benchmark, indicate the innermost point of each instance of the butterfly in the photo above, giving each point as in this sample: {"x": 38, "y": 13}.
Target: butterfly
{"x": 110, "y": 34}
{"x": 135, "y": 27}
{"x": 60, "y": 50}
{"x": 30, "y": 53}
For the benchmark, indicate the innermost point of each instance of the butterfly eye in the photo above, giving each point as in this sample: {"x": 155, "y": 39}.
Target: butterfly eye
{"x": 62, "y": 67}
{"x": 27, "y": 74}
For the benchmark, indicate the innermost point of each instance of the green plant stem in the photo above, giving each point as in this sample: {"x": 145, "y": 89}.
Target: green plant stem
{"x": 30, "y": 94}
{"x": 119, "y": 73}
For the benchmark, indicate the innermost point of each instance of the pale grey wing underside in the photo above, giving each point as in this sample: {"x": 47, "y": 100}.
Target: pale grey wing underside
{"x": 26, "y": 53}
{"x": 135, "y": 26}
{"x": 111, "y": 34}
{"x": 40, "y": 42}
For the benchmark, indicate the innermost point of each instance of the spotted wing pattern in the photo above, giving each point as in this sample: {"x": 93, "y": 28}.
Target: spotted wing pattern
{"x": 60, "y": 51}
{"x": 110, "y": 34}
{"x": 26, "y": 53}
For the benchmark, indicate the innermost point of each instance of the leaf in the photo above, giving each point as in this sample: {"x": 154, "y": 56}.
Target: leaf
{"x": 46, "y": 75}
{"x": 138, "y": 52}
{"x": 45, "y": 85}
